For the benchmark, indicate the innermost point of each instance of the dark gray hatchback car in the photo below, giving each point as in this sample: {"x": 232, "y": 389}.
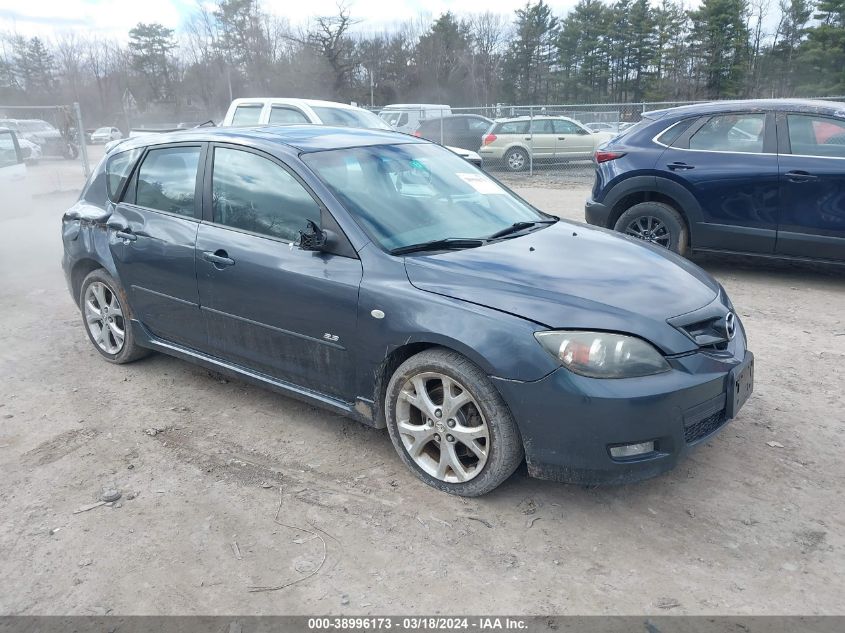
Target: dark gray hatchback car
{"x": 387, "y": 279}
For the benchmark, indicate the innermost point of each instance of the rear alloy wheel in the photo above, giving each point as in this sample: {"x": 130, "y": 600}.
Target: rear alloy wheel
{"x": 106, "y": 316}
{"x": 449, "y": 424}
{"x": 656, "y": 223}
{"x": 516, "y": 159}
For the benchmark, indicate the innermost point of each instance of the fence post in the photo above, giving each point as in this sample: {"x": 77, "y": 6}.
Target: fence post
{"x": 80, "y": 137}
{"x": 441, "y": 126}
{"x": 531, "y": 140}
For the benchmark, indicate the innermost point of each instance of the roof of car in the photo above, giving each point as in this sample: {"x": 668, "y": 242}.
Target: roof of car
{"x": 292, "y": 101}
{"x": 817, "y": 106}
{"x": 305, "y": 138}
{"x": 526, "y": 117}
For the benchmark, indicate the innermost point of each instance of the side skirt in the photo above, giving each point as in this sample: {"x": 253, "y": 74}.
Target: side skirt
{"x": 361, "y": 410}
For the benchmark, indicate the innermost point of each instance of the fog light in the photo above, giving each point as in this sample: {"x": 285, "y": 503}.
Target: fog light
{"x": 632, "y": 450}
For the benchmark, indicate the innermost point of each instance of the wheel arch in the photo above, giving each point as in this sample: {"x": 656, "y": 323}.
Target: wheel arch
{"x": 409, "y": 348}
{"x": 81, "y": 269}
{"x": 647, "y": 189}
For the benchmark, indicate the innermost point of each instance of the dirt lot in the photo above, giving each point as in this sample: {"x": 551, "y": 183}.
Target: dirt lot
{"x": 754, "y": 522}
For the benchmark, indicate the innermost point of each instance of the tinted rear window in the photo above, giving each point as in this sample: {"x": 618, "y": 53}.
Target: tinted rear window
{"x": 512, "y": 127}
{"x": 167, "y": 180}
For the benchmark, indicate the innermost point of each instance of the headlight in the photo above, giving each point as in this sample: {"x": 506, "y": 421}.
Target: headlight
{"x": 602, "y": 354}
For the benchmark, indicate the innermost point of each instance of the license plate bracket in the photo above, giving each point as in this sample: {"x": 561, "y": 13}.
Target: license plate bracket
{"x": 740, "y": 385}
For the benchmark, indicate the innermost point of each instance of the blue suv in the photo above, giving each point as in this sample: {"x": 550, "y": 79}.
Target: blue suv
{"x": 762, "y": 177}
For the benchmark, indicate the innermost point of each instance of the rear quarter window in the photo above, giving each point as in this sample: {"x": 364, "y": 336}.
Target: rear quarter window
{"x": 670, "y": 135}
{"x": 118, "y": 169}
{"x": 247, "y": 115}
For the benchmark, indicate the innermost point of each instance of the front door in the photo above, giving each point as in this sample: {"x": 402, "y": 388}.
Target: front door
{"x": 268, "y": 305}
{"x": 729, "y": 163}
{"x": 572, "y": 141}
{"x": 812, "y": 187}
{"x": 152, "y": 237}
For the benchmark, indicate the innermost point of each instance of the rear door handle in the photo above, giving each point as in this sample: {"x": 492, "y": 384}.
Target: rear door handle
{"x": 678, "y": 165}
{"x": 219, "y": 258}
{"x": 126, "y": 235}
{"x": 800, "y": 176}
{"x": 561, "y": 138}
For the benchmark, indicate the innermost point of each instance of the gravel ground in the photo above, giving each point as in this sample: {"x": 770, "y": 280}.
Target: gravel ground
{"x": 752, "y": 523}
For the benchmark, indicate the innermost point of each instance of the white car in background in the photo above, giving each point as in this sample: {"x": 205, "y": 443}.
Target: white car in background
{"x": 407, "y": 117}
{"x": 284, "y": 111}
{"x": 105, "y": 134}
{"x": 30, "y": 151}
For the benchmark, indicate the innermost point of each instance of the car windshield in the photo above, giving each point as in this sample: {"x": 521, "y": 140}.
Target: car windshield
{"x": 349, "y": 117}
{"x": 415, "y": 193}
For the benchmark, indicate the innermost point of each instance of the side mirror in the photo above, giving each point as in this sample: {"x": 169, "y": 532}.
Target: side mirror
{"x": 314, "y": 238}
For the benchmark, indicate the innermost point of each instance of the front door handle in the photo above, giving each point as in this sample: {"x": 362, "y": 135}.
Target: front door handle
{"x": 679, "y": 166}
{"x": 127, "y": 235}
{"x": 561, "y": 138}
{"x": 800, "y": 176}
{"x": 219, "y": 258}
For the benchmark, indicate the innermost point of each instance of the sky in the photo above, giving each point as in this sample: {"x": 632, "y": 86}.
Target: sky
{"x": 114, "y": 18}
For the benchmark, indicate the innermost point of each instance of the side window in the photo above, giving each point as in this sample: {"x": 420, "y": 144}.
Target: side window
{"x": 541, "y": 126}
{"x": 478, "y": 125}
{"x": 403, "y": 120}
{"x": 8, "y": 150}
{"x": 118, "y": 168}
{"x": 280, "y": 115}
{"x": 167, "y": 180}
{"x": 731, "y": 133}
{"x": 671, "y": 134}
{"x": 255, "y": 194}
{"x": 566, "y": 127}
{"x": 816, "y": 135}
{"x": 455, "y": 126}
{"x": 513, "y": 127}
{"x": 247, "y": 115}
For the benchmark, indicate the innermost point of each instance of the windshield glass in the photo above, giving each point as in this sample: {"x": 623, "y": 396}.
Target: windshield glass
{"x": 348, "y": 117}
{"x": 415, "y": 193}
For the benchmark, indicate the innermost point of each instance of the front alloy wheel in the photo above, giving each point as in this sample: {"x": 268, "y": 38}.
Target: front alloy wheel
{"x": 442, "y": 427}
{"x": 450, "y": 425}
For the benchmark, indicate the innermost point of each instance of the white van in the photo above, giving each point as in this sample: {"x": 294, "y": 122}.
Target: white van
{"x": 406, "y": 117}
{"x": 274, "y": 111}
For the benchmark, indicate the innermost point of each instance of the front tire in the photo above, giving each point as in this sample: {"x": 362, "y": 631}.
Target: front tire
{"x": 449, "y": 424}
{"x": 106, "y": 316}
{"x": 656, "y": 223}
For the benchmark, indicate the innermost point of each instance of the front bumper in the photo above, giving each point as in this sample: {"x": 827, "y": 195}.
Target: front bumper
{"x": 596, "y": 213}
{"x": 569, "y": 423}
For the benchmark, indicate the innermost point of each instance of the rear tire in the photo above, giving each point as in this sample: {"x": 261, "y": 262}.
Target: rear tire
{"x": 516, "y": 159}
{"x": 449, "y": 424}
{"x": 106, "y": 317}
{"x": 657, "y": 223}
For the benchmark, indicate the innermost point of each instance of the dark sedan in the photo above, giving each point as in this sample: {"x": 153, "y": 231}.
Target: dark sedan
{"x": 459, "y": 130}
{"x": 387, "y": 279}
{"x": 763, "y": 177}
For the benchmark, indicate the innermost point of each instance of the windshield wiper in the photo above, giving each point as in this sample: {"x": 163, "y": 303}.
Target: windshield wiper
{"x": 519, "y": 226}
{"x": 448, "y": 243}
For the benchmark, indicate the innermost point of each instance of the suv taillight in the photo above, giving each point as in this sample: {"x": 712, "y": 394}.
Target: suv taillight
{"x": 487, "y": 139}
{"x": 602, "y": 156}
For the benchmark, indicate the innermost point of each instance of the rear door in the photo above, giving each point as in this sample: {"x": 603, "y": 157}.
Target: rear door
{"x": 152, "y": 238}
{"x": 542, "y": 138}
{"x": 572, "y": 141}
{"x": 729, "y": 163}
{"x": 268, "y": 305}
{"x": 812, "y": 186}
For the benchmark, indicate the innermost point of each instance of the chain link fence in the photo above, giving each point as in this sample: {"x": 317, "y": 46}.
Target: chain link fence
{"x": 53, "y": 144}
{"x": 545, "y": 145}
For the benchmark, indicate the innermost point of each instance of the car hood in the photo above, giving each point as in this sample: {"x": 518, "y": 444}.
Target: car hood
{"x": 573, "y": 276}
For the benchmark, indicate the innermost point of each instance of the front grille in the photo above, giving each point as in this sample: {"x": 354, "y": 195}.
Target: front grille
{"x": 707, "y": 333}
{"x": 705, "y": 427}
